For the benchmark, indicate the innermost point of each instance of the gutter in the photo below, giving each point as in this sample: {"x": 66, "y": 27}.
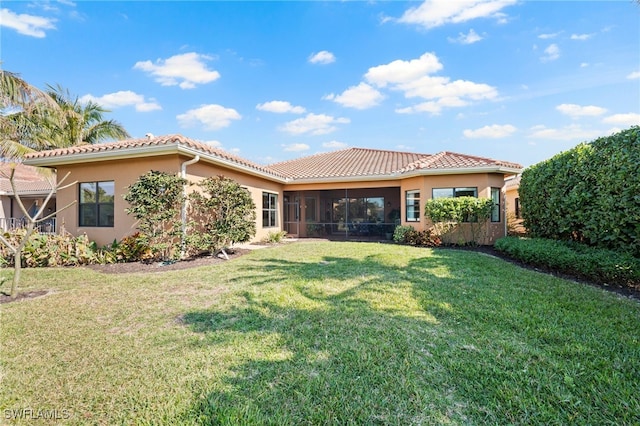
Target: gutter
{"x": 183, "y": 212}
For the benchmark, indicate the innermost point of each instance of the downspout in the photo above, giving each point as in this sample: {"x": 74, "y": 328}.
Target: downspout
{"x": 183, "y": 212}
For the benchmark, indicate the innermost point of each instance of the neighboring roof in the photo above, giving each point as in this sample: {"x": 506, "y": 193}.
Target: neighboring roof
{"x": 142, "y": 147}
{"x": 370, "y": 163}
{"x": 347, "y": 164}
{"x": 28, "y": 180}
{"x": 513, "y": 183}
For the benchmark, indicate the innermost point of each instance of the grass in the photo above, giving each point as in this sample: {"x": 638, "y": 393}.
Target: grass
{"x": 321, "y": 333}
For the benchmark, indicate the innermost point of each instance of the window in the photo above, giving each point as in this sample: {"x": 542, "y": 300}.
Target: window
{"x": 269, "y": 210}
{"x": 96, "y": 204}
{"x": 495, "y": 197}
{"x": 454, "y": 192}
{"x": 518, "y": 208}
{"x": 413, "y": 206}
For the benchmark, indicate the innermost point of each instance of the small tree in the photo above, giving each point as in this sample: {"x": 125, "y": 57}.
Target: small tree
{"x": 32, "y": 222}
{"x": 223, "y": 214}
{"x": 156, "y": 199}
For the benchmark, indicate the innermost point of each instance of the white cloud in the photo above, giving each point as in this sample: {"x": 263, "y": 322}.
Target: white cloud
{"x": 575, "y": 111}
{"x": 584, "y": 64}
{"x": 551, "y": 53}
{"x": 296, "y": 147}
{"x": 433, "y": 107}
{"x": 211, "y": 117}
{"x": 185, "y": 70}
{"x": 323, "y": 57}
{"x": 29, "y": 25}
{"x": 414, "y": 80}
{"x": 314, "y": 124}
{"x": 568, "y": 133}
{"x": 470, "y": 38}
{"x": 334, "y": 145}
{"x": 548, "y": 36}
{"x": 634, "y": 75}
{"x": 280, "y": 107}
{"x": 494, "y": 131}
{"x": 361, "y": 96}
{"x": 581, "y": 37}
{"x": 435, "y": 13}
{"x": 630, "y": 119}
{"x": 400, "y": 71}
{"x": 441, "y": 87}
{"x": 121, "y": 99}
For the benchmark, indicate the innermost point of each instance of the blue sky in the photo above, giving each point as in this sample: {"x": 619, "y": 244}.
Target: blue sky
{"x": 270, "y": 81}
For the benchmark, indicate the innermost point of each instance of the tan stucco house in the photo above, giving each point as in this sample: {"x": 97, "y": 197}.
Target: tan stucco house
{"x": 351, "y": 193}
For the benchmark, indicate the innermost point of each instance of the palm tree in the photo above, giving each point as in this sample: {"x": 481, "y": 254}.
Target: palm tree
{"x": 20, "y": 105}
{"x": 33, "y": 120}
{"x": 80, "y": 123}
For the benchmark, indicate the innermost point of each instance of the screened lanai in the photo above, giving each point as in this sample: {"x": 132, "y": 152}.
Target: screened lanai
{"x": 362, "y": 213}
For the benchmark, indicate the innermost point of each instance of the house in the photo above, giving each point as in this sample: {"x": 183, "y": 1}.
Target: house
{"x": 351, "y": 193}
{"x": 33, "y": 185}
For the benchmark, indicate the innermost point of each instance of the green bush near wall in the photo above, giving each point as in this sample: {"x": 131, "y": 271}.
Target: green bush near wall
{"x": 589, "y": 194}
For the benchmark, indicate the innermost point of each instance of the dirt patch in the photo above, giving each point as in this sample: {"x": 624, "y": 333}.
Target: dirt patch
{"x": 140, "y": 267}
{"x": 5, "y": 298}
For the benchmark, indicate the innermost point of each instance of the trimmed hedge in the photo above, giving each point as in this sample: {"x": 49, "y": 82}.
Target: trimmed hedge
{"x": 589, "y": 194}
{"x": 594, "y": 264}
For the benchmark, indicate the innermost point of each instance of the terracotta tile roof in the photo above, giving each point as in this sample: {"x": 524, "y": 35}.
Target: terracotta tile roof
{"x": 347, "y": 163}
{"x": 452, "y": 160}
{"x": 356, "y": 162}
{"x": 150, "y": 142}
{"x": 28, "y": 180}
{"x": 350, "y": 162}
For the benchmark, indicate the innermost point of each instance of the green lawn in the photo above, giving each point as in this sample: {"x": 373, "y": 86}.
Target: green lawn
{"x": 321, "y": 333}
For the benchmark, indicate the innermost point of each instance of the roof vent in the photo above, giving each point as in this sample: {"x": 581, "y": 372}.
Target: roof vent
{"x": 149, "y": 135}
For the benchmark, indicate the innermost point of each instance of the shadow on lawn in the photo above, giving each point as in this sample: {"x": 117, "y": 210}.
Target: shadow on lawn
{"x": 347, "y": 355}
{"x": 438, "y": 340}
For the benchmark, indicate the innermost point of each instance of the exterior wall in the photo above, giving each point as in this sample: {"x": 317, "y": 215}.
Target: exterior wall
{"x": 426, "y": 184}
{"x": 126, "y": 172}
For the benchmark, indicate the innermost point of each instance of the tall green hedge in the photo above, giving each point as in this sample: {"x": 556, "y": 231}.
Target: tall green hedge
{"x": 589, "y": 194}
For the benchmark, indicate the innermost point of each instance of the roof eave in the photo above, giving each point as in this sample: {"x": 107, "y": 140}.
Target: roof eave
{"x": 230, "y": 164}
{"x": 146, "y": 151}
{"x": 460, "y": 171}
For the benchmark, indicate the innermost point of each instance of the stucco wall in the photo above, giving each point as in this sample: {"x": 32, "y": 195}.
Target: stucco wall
{"x": 426, "y": 184}
{"x": 125, "y": 173}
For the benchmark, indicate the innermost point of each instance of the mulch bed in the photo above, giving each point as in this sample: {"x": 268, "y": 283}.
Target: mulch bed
{"x": 154, "y": 267}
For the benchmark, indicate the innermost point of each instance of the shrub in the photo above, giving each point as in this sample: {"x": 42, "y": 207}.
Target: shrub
{"x": 399, "y": 234}
{"x": 426, "y": 238}
{"x": 155, "y": 200}
{"x": 587, "y": 194}
{"x": 449, "y": 214}
{"x": 132, "y": 248}
{"x": 274, "y": 237}
{"x": 222, "y": 214}
{"x": 46, "y": 250}
{"x": 595, "y": 264}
